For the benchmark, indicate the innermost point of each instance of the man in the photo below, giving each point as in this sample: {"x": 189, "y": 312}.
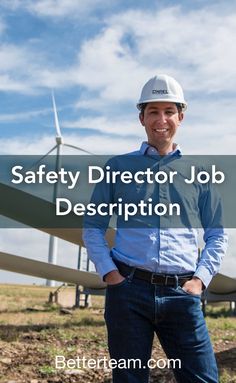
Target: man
{"x": 154, "y": 275}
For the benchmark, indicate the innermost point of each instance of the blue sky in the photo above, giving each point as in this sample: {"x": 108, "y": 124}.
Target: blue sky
{"x": 97, "y": 54}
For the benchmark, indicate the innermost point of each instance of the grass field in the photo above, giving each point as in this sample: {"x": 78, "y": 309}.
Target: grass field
{"x": 33, "y": 332}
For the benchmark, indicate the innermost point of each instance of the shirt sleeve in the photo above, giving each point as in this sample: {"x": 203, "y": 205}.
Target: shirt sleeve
{"x": 94, "y": 231}
{"x": 211, "y": 257}
{"x": 215, "y": 237}
{"x": 98, "y": 250}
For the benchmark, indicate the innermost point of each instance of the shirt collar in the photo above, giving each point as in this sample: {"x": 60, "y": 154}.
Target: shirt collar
{"x": 150, "y": 150}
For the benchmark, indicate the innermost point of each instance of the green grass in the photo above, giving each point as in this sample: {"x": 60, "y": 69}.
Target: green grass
{"x": 47, "y": 370}
{"x": 227, "y": 378}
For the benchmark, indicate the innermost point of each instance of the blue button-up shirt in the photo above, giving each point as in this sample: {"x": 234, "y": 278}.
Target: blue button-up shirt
{"x": 161, "y": 249}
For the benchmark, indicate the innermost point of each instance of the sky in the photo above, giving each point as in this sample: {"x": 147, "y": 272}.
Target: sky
{"x": 96, "y": 55}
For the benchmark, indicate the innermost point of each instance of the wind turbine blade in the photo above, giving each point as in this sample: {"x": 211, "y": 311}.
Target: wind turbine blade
{"x": 58, "y": 130}
{"x": 78, "y": 148}
{"x": 41, "y": 158}
{"x": 45, "y": 155}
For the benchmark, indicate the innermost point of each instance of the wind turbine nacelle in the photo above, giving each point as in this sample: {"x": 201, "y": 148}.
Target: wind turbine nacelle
{"x": 59, "y": 140}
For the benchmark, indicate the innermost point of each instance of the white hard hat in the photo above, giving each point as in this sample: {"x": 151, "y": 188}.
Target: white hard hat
{"x": 162, "y": 88}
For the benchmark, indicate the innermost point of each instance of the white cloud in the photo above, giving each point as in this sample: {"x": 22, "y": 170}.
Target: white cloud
{"x": 96, "y": 143}
{"x": 134, "y": 45}
{"x": 55, "y": 8}
{"x": 24, "y": 69}
{"x": 8, "y": 84}
{"x": 209, "y": 127}
{"x": 13, "y": 4}
{"x": 105, "y": 65}
{"x": 196, "y": 140}
{"x": 60, "y": 8}
{"x": 119, "y": 126}
{"x": 112, "y": 67}
{"x": 49, "y": 77}
{"x": 11, "y": 57}
{"x": 23, "y": 116}
{"x": 19, "y": 67}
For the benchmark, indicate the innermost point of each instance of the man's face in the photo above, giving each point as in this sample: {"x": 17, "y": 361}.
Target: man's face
{"x": 161, "y": 121}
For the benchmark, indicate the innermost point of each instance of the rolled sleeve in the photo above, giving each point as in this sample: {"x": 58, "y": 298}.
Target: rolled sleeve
{"x": 98, "y": 251}
{"x": 204, "y": 274}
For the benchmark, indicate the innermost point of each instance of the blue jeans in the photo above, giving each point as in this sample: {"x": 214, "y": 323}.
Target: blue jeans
{"x": 136, "y": 309}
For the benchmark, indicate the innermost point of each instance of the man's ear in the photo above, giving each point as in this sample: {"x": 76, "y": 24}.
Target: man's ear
{"x": 181, "y": 116}
{"x": 141, "y": 118}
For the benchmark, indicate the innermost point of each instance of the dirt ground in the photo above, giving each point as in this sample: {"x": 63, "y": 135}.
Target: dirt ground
{"x": 32, "y": 333}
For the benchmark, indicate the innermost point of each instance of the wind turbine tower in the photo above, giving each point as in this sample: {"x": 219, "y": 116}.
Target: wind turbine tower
{"x": 53, "y": 241}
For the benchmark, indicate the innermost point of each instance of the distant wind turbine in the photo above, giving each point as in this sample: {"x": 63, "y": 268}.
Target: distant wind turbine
{"x": 53, "y": 241}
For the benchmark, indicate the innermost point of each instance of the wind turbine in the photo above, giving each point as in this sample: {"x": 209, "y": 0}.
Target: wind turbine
{"x": 53, "y": 241}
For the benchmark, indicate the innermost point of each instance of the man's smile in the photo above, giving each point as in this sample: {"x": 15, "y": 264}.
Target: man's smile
{"x": 160, "y": 130}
